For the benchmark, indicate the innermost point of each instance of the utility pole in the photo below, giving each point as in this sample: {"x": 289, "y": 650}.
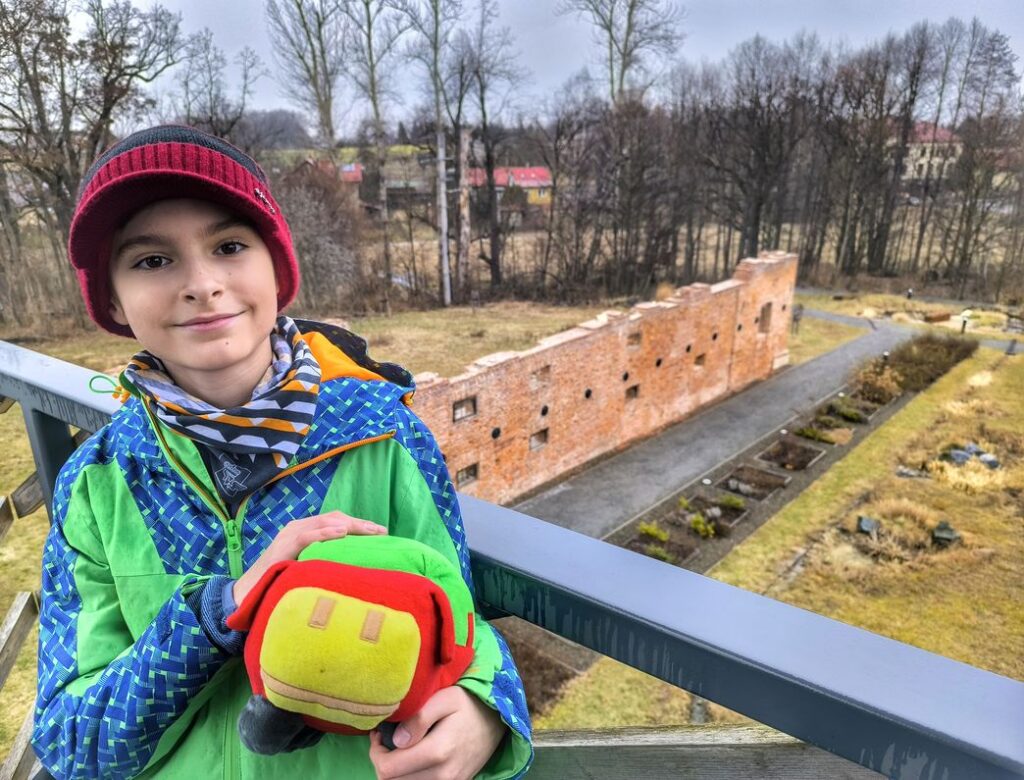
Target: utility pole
{"x": 442, "y": 207}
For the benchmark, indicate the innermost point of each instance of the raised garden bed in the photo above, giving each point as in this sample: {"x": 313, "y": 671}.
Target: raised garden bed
{"x": 666, "y": 542}
{"x": 726, "y": 507}
{"x": 752, "y": 482}
{"x": 790, "y": 454}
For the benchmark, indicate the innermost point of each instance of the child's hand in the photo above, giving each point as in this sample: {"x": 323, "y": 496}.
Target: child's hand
{"x": 296, "y": 537}
{"x": 463, "y": 734}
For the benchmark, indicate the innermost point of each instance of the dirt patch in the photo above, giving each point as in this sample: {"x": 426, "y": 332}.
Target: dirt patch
{"x": 751, "y": 482}
{"x": 981, "y": 379}
{"x": 790, "y": 454}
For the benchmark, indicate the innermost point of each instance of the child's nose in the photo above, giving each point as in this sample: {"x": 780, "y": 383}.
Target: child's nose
{"x": 203, "y": 281}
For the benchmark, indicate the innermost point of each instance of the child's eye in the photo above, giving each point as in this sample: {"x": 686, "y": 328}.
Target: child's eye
{"x": 230, "y": 248}
{"x": 152, "y": 262}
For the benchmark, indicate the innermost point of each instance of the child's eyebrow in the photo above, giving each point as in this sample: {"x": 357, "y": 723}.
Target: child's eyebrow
{"x": 149, "y": 239}
{"x": 224, "y": 224}
{"x": 145, "y": 239}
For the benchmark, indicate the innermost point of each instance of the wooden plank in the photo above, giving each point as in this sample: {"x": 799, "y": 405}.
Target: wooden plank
{"x": 21, "y": 763}
{"x": 5, "y": 403}
{"x": 19, "y": 621}
{"x": 6, "y": 516}
{"x": 718, "y": 752}
{"x": 28, "y": 496}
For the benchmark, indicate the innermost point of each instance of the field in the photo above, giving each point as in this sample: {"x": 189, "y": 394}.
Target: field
{"x": 962, "y": 602}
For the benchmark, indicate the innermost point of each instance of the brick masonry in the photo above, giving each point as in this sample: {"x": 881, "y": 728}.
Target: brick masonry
{"x": 517, "y": 420}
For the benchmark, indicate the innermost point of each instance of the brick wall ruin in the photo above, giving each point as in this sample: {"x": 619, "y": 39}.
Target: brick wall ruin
{"x": 516, "y": 420}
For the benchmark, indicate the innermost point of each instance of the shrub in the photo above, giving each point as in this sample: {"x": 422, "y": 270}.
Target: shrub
{"x": 841, "y": 408}
{"x": 703, "y": 528}
{"x": 924, "y": 359}
{"x": 658, "y": 551}
{"x": 653, "y": 530}
{"x": 828, "y": 422}
{"x": 878, "y": 383}
{"x": 813, "y": 433}
{"x": 684, "y": 504}
{"x": 730, "y": 501}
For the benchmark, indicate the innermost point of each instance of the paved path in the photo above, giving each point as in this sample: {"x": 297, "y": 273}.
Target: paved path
{"x": 617, "y": 490}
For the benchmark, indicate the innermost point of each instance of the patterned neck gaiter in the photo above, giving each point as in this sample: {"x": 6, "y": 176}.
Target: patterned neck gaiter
{"x": 258, "y": 438}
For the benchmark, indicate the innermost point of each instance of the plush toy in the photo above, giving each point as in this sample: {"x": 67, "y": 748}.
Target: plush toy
{"x": 357, "y": 634}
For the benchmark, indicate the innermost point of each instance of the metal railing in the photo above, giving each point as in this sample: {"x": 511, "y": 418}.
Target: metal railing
{"x": 877, "y": 702}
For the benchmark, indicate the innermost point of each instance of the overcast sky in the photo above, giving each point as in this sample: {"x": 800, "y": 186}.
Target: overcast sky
{"x": 555, "y": 47}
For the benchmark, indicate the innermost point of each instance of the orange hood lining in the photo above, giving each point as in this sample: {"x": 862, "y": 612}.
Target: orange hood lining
{"x": 335, "y": 363}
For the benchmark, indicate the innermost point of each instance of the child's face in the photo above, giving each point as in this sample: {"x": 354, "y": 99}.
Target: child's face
{"x": 196, "y": 285}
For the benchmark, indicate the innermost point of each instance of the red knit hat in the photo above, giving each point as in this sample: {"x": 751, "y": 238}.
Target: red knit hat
{"x": 170, "y": 161}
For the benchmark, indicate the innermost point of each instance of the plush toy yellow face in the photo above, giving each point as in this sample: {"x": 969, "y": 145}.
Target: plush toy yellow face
{"x": 380, "y": 648}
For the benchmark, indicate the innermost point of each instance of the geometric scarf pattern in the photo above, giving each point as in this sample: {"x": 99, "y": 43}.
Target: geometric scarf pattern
{"x": 272, "y": 423}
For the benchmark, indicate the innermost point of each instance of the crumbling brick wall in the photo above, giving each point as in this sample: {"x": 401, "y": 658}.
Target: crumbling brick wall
{"x": 517, "y": 420}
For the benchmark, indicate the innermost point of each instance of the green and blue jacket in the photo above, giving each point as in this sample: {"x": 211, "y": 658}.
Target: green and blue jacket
{"x": 130, "y": 685}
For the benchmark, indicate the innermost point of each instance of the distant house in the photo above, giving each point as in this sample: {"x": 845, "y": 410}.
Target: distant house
{"x": 535, "y": 181}
{"x": 932, "y": 152}
{"x": 351, "y": 173}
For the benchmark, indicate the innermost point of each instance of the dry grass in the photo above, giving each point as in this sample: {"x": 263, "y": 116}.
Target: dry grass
{"x": 983, "y": 322}
{"x": 446, "y": 341}
{"x": 816, "y": 337}
{"x": 963, "y": 601}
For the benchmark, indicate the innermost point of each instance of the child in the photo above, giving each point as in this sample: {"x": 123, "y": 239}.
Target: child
{"x": 247, "y": 437}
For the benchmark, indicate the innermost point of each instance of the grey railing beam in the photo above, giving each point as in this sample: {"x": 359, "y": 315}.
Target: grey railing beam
{"x": 893, "y": 708}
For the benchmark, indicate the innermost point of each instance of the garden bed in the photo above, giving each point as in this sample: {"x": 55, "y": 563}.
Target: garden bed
{"x": 790, "y": 454}
{"x": 752, "y": 482}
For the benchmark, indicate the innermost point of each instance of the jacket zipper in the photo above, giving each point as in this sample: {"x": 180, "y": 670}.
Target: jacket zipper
{"x": 232, "y": 525}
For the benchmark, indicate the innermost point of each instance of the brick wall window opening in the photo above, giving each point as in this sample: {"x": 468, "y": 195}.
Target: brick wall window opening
{"x": 540, "y": 378}
{"x": 625, "y": 377}
{"x": 464, "y": 408}
{"x": 765, "y": 319}
{"x": 587, "y": 393}
{"x": 688, "y": 348}
{"x": 739, "y": 327}
{"x": 700, "y": 360}
{"x": 538, "y": 439}
{"x": 714, "y": 337}
{"x": 466, "y": 476}
{"x": 544, "y": 411}
{"x": 657, "y": 363}
{"x": 632, "y": 392}
{"x": 633, "y": 340}
{"x": 495, "y": 433}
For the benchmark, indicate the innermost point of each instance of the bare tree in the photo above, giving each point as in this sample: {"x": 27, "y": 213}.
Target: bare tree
{"x": 630, "y": 33}
{"x": 497, "y": 75}
{"x": 433, "y": 23}
{"x": 374, "y": 29}
{"x": 308, "y": 44}
{"x": 459, "y": 63}
{"x": 204, "y": 101}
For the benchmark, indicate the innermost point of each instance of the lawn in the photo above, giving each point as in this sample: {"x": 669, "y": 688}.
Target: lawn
{"x": 963, "y": 602}
{"x": 982, "y": 322}
{"x": 816, "y": 337}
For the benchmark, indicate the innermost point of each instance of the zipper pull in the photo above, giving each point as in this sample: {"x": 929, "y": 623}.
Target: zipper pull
{"x": 234, "y": 537}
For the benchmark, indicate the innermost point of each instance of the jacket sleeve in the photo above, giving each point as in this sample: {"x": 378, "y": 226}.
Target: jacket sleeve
{"x": 429, "y": 511}
{"x": 105, "y": 699}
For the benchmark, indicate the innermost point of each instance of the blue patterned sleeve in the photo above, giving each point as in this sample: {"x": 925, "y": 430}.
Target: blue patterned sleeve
{"x": 429, "y": 503}
{"x": 104, "y": 699}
